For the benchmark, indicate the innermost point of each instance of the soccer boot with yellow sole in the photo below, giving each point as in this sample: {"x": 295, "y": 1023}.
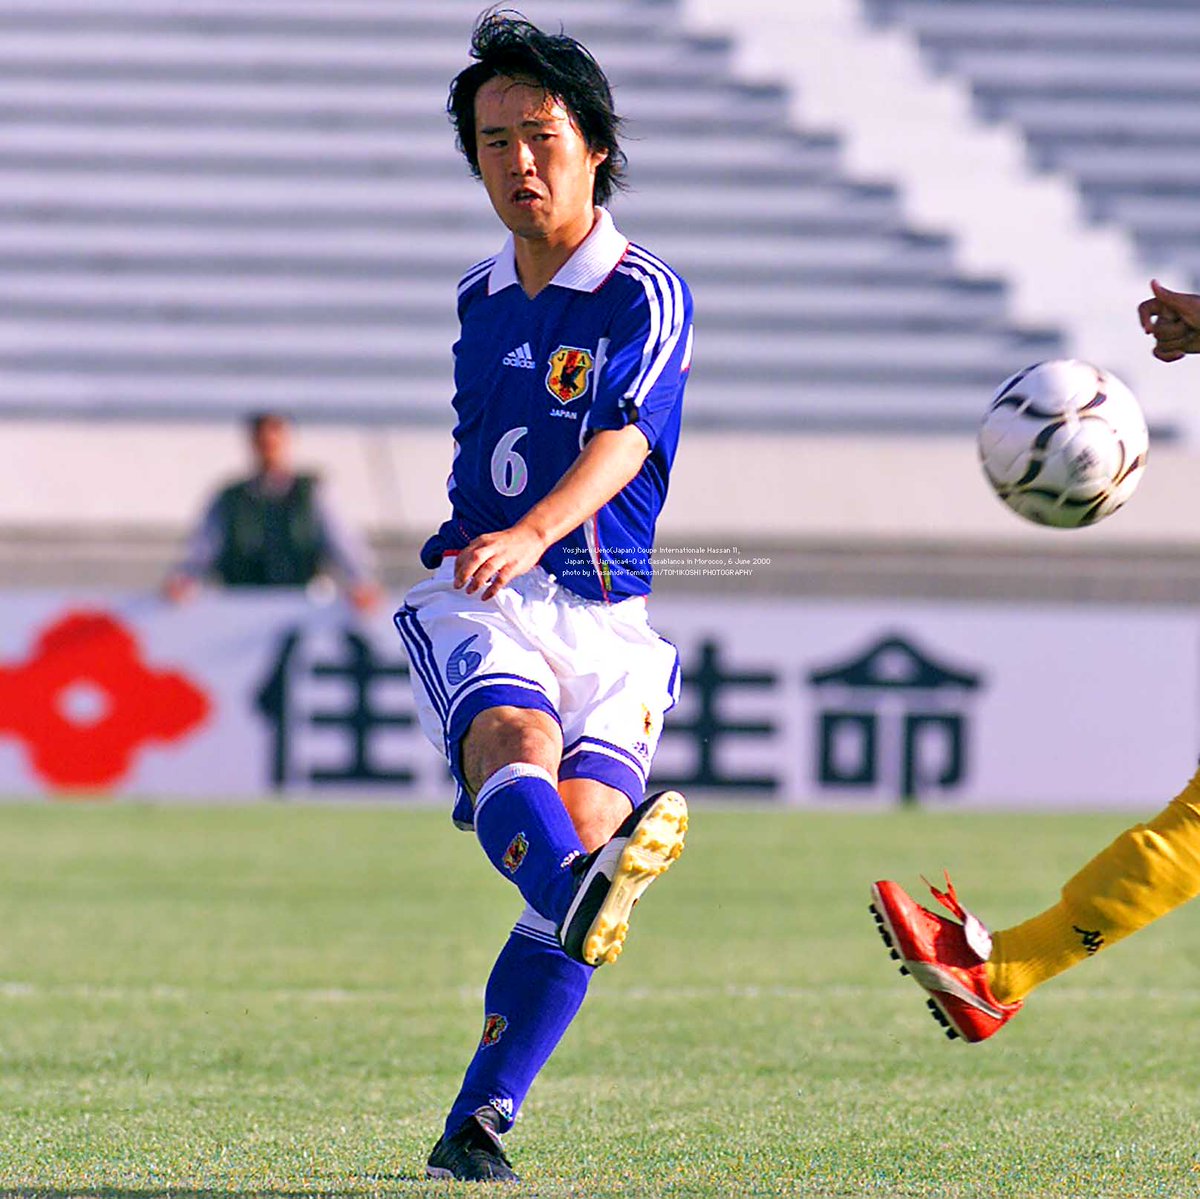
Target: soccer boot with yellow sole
{"x": 474, "y": 1153}
{"x": 946, "y": 958}
{"x": 613, "y": 877}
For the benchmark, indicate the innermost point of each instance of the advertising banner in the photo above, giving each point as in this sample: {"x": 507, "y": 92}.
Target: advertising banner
{"x": 831, "y": 702}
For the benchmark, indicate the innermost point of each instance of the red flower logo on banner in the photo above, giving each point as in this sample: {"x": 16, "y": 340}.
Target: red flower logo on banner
{"x": 85, "y": 703}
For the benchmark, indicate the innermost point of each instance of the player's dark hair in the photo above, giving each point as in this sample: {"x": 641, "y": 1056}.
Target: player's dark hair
{"x": 505, "y": 43}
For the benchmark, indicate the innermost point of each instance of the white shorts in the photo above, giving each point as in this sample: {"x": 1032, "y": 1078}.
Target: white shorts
{"x": 599, "y": 669}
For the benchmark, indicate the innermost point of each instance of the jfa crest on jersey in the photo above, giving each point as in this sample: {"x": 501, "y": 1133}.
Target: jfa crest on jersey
{"x": 606, "y": 344}
{"x": 567, "y": 378}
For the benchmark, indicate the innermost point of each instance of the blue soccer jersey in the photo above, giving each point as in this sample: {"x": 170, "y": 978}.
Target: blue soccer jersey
{"x": 606, "y": 344}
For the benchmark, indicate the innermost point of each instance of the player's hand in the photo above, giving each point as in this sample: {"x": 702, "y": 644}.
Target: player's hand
{"x": 1172, "y": 318}
{"x": 495, "y": 559}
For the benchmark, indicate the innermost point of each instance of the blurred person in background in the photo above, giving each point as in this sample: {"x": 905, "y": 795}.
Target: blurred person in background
{"x": 977, "y": 981}
{"x": 275, "y": 528}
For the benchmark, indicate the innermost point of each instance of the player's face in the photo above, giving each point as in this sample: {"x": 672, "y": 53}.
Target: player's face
{"x": 535, "y": 164}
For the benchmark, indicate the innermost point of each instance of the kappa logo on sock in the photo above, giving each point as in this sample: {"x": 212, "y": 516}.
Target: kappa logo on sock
{"x": 493, "y": 1029}
{"x": 1093, "y": 941}
{"x": 514, "y": 855}
{"x": 503, "y": 1104}
{"x": 568, "y": 859}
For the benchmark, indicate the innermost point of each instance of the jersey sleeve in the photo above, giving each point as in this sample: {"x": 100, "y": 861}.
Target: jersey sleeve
{"x": 646, "y": 358}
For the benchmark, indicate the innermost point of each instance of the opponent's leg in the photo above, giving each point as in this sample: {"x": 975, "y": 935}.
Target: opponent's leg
{"x": 1146, "y": 872}
{"x": 977, "y": 981}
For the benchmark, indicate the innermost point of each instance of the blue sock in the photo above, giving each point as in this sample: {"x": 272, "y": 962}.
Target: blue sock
{"x": 532, "y": 996}
{"x": 527, "y": 835}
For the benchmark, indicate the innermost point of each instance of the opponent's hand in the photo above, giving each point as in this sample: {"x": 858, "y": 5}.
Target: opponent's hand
{"x": 1172, "y": 318}
{"x": 494, "y": 559}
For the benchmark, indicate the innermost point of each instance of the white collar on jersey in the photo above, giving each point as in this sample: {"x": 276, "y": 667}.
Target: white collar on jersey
{"x": 592, "y": 262}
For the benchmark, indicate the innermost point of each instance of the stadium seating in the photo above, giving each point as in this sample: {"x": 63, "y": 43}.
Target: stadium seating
{"x": 208, "y": 206}
{"x": 1101, "y": 92}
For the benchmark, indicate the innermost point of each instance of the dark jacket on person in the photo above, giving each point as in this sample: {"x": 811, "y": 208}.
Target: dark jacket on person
{"x": 268, "y": 539}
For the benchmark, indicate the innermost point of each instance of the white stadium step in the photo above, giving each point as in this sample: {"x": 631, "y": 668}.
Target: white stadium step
{"x": 372, "y": 348}
{"x": 1156, "y": 215}
{"x": 319, "y": 15}
{"x": 1132, "y": 26}
{"x": 211, "y": 205}
{"x": 156, "y": 54}
{"x": 68, "y": 298}
{"x": 1036, "y": 66}
{"x": 375, "y": 251}
{"x": 802, "y": 400}
{"x": 170, "y": 198}
{"x": 372, "y": 150}
{"x": 1050, "y": 116}
{"x": 168, "y": 103}
{"x": 1141, "y": 167}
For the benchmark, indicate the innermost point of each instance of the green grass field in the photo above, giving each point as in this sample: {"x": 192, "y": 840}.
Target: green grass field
{"x": 280, "y": 1001}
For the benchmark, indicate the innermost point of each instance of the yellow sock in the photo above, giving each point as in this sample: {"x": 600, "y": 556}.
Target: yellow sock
{"x": 1145, "y": 873}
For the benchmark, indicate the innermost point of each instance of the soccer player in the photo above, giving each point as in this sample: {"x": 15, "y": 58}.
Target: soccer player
{"x": 535, "y": 668}
{"x": 977, "y": 981}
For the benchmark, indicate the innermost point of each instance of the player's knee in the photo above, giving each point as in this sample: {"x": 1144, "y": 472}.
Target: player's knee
{"x": 498, "y": 737}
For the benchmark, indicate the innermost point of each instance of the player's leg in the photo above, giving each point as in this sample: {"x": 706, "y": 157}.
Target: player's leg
{"x": 510, "y": 759}
{"x": 534, "y": 991}
{"x": 978, "y": 981}
{"x": 613, "y": 877}
{"x": 529, "y": 834}
{"x": 487, "y": 698}
{"x": 532, "y": 996}
{"x": 613, "y": 705}
{"x": 1148, "y": 871}
{"x": 535, "y": 988}
{"x": 596, "y": 809}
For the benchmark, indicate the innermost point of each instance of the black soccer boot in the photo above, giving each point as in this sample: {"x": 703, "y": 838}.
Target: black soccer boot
{"x": 474, "y": 1153}
{"x": 613, "y": 877}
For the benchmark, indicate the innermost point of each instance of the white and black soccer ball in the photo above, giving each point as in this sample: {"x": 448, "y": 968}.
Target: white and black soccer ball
{"x": 1064, "y": 443}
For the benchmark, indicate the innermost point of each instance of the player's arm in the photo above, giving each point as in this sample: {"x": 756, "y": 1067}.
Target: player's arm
{"x": 610, "y": 460}
{"x": 1172, "y": 318}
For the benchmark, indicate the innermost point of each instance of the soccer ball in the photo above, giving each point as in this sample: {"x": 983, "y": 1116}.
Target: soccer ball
{"x": 1063, "y": 443}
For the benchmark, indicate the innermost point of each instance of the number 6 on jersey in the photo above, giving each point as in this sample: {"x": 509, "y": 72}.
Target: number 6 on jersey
{"x": 509, "y": 472}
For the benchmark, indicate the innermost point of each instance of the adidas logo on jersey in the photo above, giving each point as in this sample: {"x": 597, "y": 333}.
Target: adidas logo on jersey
{"x": 522, "y": 356}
